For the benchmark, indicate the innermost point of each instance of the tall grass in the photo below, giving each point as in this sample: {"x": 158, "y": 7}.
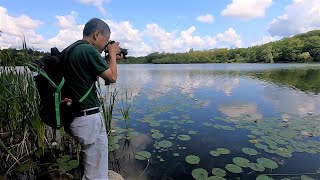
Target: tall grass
{"x": 107, "y": 102}
{"x": 21, "y": 130}
{"x": 125, "y": 108}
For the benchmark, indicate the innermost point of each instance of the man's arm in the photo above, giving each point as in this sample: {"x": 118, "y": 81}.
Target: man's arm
{"x": 111, "y": 74}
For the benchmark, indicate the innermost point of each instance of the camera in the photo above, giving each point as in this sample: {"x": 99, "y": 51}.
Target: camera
{"x": 123, "y": 51}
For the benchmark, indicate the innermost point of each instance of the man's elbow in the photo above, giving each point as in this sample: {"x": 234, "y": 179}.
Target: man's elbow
{"x": 113, "y": 79}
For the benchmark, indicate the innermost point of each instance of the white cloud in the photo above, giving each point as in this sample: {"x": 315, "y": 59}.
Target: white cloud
{"x": 67, "y": 21}
{"x": 247, "y": 9}
{"x": 129, "y": 37}
{"x": 230, "y": 36}
{"x": 97, "y": 3}
{"x": 16, "y": 28}
{"x": 208, "y": 18}
{"x": 266, "y": 39}
{"x": 299, "y": 17}
{"x": 139, "y": 42}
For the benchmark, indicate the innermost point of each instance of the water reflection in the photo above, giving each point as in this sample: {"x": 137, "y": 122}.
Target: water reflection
{"x": 177, "y": 99}
{"x": 237, "y": 111}
{"x": 286, "y": 86}
{"x": 287, "y": 100}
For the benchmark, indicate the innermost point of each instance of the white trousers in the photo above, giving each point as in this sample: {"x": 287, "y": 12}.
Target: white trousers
{"x": 90, "y": 131}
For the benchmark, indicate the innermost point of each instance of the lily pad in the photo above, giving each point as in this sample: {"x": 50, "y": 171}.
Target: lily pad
{"x": 215, "y": 178}
{"x": 267, "y": 163}
{"x": 284, "y": 152}
{"x": 184, "y": 137}
{"x": 199, "y": 173}
{"x": 164, "y": 144}
{"x": 192, "y": 159}
{"x": 304, "y": 177}
{"x": 233, "y": 168}
{"x": 256, "y": 167}
{"x": 223, "y": 151}
{"x": 191, "y": 132}
{"x": 113, "y": 147}
{"x": 242, "y": 162}
{"x": 261, "y": 146}
{"x": 176, "y": 154}
{"x": 142, "y": 155}
{"x": 157, "y": 135}
{"x": 249, "y": 151}
{"x": 264, "y": 177}
{"x": 214, "y": 153}
{"x": 219, "y": 172}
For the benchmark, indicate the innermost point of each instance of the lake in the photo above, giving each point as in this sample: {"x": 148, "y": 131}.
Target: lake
{"x": 223, "y": 121}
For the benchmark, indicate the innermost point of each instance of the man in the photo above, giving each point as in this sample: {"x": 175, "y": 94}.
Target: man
{"x": 83, "y": 64}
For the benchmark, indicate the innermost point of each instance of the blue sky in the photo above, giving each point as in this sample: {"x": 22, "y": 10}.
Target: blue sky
{"x": 157, "y": 26}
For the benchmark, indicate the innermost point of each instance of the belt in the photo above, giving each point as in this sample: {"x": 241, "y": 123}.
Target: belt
{"x": 86, "y": 112}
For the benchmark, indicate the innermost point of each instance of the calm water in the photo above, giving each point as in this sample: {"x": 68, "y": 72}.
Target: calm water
{"x": 274, "y": 110}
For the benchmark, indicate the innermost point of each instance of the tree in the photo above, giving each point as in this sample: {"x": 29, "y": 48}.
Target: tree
{"x": 304, "y": 57}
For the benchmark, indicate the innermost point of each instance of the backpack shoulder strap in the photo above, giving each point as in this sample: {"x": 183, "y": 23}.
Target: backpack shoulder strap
{"x": 86, "y": 95}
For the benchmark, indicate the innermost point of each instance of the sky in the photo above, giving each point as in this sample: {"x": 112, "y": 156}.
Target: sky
{"x": 169, "y": 26}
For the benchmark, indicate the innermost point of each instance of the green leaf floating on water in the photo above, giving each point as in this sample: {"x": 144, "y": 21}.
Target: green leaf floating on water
{"x": 264, "y": 177}
{"x": 214, "y": 153}
{"x": 242, "y": 162}
{"x": 219, "y": 172}
{"x": 142, "y": 155}
{"x": 261, "y": 146}
{"x": 200, "y": 174}
{"x": 164, "y": 144}
{"x": 216, "y": 178}
{"x": 267, "y": 163}
{"x": 113, "y": 147}
{"x": 223, "y": 151}
{"x": 249, "y": 151}
{"x": 233, "y": 168}
{"x": 256, "y": 167}
{"x": 284, "y": 152}
{"x": 191, "y": 132}
{"x": 157, "y": 135}
{"x": 304, "y": 177}
{"x": 174, "y": 117}
{"x": 184, "y": 137}
{"x": 192, "y": 159}
{"x": 176, "y": 154}
{"x": 63, "y": 159}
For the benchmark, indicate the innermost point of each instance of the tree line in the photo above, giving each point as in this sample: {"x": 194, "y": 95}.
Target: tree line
{"x": 300, "y": 48}
{"x": 297, "y": 49}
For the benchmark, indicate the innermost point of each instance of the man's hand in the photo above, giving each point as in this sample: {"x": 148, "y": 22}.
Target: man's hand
{"x": 119, "y": 56}
{"x": 113, "y": 49}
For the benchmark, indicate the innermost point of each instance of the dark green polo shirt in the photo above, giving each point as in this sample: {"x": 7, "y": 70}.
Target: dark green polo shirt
{"x": 81, "y": 70}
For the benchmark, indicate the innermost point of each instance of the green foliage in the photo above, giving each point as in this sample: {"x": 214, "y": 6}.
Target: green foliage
{"x": 294, "y": 49}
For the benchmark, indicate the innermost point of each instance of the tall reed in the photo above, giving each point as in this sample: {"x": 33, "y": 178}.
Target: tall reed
{"x": 125, "y": 108}
{"x": 108, "y": 106}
